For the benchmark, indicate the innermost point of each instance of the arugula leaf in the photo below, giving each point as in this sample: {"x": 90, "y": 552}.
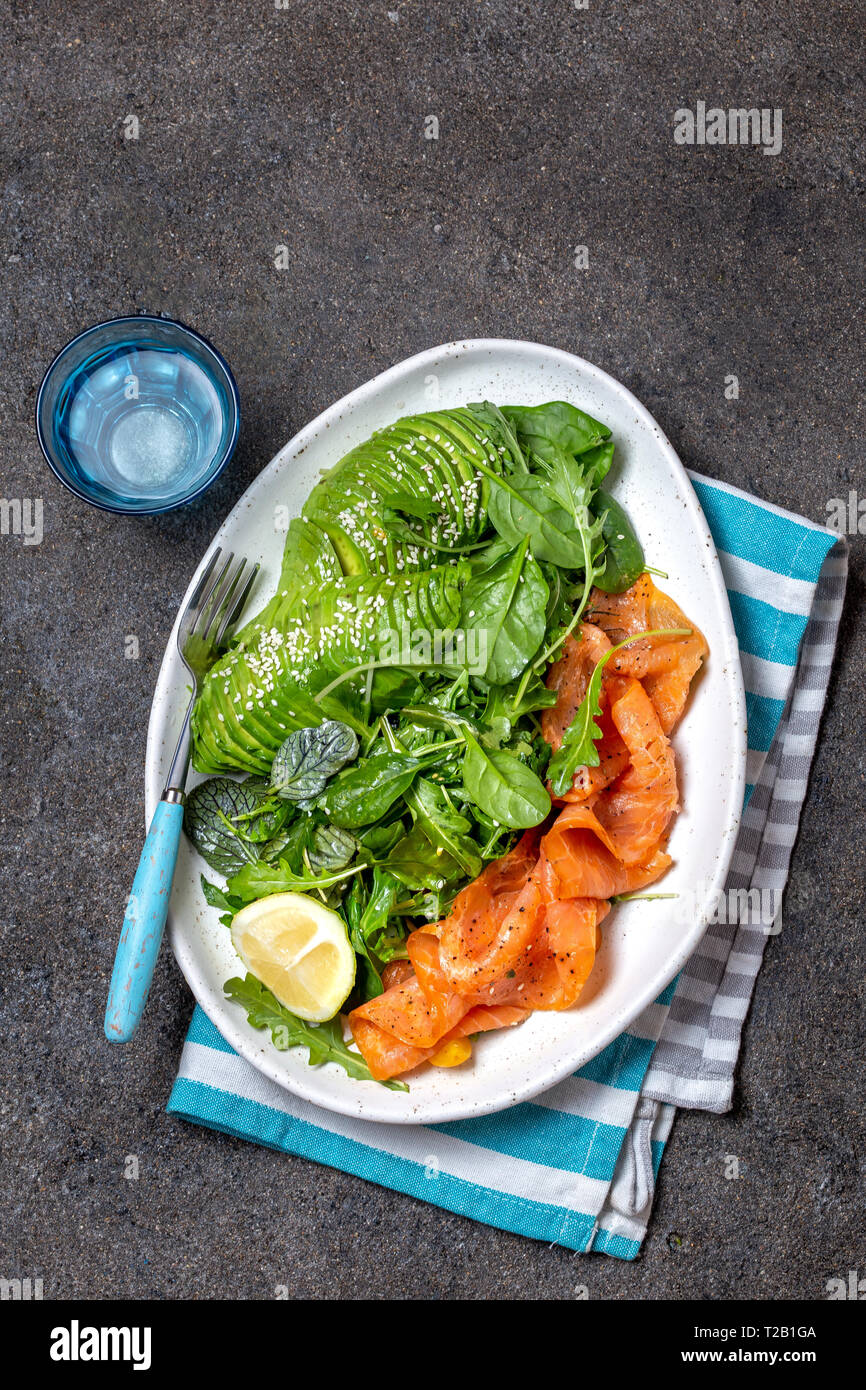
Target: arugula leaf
{"x": 444, "y": 827}
{"x": 308, "y": 758}
{"x": 323, "y": 1041}
{"x": 434, "y": 815}
{"x": 504, "y": 787}
{"x": 534, "y": 696}
{"x": 431, "y": 717}
{"x": 374, "y": 935}
{"x": 578, "y": 745}
{"x": 573, "y": 489}
{"x": 595, "y": 464}
{"x": 293, "y": 844}
{"x": 505, "y": 708}
{"x": 507, "y": 604}
{"x": 378, "y": 840}
{"x": 368, "y": 982}
{"x": 215, "y": 897}
{"x": 261, "y": 880}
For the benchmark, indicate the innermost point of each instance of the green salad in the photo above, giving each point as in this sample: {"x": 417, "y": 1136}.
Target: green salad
{"x": 384, "y": 706}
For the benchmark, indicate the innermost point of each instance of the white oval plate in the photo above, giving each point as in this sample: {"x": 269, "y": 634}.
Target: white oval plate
{"x": 645, "y": 944}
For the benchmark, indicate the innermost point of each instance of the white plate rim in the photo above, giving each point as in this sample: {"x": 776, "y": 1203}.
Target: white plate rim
{"x": 359, "y": 1100}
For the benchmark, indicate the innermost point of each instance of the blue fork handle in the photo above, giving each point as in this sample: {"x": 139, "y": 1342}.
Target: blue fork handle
{"x": 143, "y": 925}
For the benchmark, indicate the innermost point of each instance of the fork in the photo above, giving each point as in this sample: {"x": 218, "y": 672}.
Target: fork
{"x": 214, "y": 607}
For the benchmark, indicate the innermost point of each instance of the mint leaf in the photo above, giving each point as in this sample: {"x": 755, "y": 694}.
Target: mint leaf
{"x": 308, "y": 758}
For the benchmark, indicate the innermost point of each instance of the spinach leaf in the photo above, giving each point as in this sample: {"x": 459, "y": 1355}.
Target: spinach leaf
{"x": 444, "y": 827}
{"x": 489, "y": 553}
{"x": 623, "y": 555}
{"x": 324, "y": 1041}
{"x": 364, "y": 793}
{"x": 379, "y": 840}
{"x": 506, "y": 604}
{"x": 420, "y": 864}
{"x": 504, "y": 787}
{"x": 543, "y": 429}
{"x": 523, "y": 505}
{"x": 208, "y": 821}
{"x": 308, "y": 758}
{"x": 567, "y": 484}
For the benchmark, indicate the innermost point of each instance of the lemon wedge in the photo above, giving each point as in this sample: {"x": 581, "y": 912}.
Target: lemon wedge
{"x": 300, "y": 950}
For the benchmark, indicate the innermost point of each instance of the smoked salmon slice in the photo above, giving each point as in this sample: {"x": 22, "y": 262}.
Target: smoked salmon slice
{"x": 387, "y": 1056}
{"x": 396, "y": 971}
{"x": 569, "y": 677}
{"x": 638, "y": 807}
{"x": 384, "y": 1055}
{"x": 412, "y": 1015}
{"x": 524, "y": 935}
{"x": 493, "y": 921}
{"x": 585, "y": 860}
{"x": 666, "y": 666}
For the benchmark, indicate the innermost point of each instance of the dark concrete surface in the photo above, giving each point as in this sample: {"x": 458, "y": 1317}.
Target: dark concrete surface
{"x": 305, "y": 127}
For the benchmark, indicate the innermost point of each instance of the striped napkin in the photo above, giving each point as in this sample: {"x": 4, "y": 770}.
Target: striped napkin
{"x": 577, "y": 1165}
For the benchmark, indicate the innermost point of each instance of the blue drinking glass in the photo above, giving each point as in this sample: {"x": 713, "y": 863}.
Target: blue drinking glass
{"x": 138, "y": 415}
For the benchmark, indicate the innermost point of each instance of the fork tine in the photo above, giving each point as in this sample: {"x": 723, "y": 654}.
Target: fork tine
{"x": 206, "y": 608}
{"x": 236, "y": 608}
{"x": 221, "y": 598}
{"x": 196, "y": 595}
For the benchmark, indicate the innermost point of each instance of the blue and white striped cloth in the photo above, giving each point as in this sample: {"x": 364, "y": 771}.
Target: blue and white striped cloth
{"x": 577, "y": 1165}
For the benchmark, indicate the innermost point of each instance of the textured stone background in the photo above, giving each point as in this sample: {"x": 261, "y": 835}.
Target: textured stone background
{"x": 304, "y": 127}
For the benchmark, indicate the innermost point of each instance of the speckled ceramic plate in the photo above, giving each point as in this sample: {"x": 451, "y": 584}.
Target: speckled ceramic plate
{"x": 645, "y": 944}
